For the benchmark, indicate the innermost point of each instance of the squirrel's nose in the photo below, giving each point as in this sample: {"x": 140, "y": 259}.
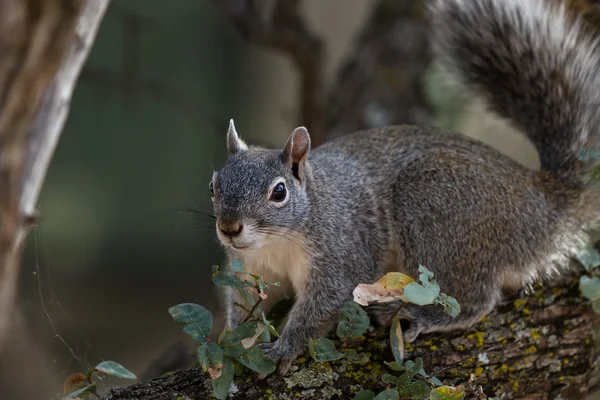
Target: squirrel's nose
{"x": 230, "y": 228}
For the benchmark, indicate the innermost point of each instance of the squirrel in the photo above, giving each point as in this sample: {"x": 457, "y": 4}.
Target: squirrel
{"x": 393, "y": 198}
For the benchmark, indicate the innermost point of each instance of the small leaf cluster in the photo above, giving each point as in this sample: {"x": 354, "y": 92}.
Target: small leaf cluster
{"x": 352, "y": 325}
{"x": 234, "y": 349}
{"x": 395, "y": 286}
{"x": 589, "y": 283}
{"x": 82, "y": 386}
{"x": 412, "y": 382}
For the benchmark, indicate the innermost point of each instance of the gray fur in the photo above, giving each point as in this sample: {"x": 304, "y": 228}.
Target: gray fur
{"x": 396, "y": 197}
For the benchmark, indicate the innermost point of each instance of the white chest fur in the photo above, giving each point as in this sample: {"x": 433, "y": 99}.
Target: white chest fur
{"x": 284, "y": 260}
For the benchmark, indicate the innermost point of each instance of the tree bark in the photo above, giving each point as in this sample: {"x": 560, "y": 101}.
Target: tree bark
{"x": 537, "y": 347}
{"x": 43, "y": 47}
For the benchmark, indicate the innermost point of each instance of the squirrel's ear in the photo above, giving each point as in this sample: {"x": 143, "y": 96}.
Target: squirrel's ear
{"x": 296, "y": 150}
{"x": 234, "y": 143}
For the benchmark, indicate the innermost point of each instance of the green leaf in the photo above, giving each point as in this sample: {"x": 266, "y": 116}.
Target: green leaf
{"x": 447, "y": 393}
{"x": 257, "y": 361}
{"x": 236, "y": 266}
{"x": 589, "y": 257}
{"x": 323, "y": 350}
{"x": 421, "y": 295}
{"x": 210, "y": 356}
{"x": 417, "y": 368}
{"x": 425, "y": 271}
{"x": 221, "y": 279}
{"x": 596, "y": 306}
{"x": 270, "y": 327}
{"x": 389, "y": 379}
{"x": 354, "y": 321}
{"x": 590, "y": 287}
{"x": 397, "y": 341}
{"x": 391, "y": 394}
{"x": 83, "y": 393}
{"x": 356, "y": 358}
{"x": 450, "y": 304}
{"x": 394, "y": 366}
{"x": 222, "y": 384}
{"x": 436, "y": 381}
{"x": 364, "y": 395}
{"x": 417, "y": 390}
{"x": 197, "y": 319}
{"x": 404, "y": 380}
{"x": 115, "y": 369}
{"x": 264, "y": 287}
{"x": 265, "y": 336}
{"x": 246, "y": 296}
{"x": 238, "y": 368}
{"x": 232, "y": 341}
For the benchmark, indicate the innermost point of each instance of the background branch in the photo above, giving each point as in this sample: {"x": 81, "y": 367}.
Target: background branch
{"x": 278, "y": 25}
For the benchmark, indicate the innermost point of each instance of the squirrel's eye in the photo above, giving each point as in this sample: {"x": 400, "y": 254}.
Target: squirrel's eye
{"x": 278, "y": 194}
{"x": 211, "y": 188}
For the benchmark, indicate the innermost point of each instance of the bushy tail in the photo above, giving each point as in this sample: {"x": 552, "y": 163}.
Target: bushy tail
{"x": 534, "y": 62}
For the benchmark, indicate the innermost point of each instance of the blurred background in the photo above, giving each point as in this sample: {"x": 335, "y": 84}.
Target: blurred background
{"x": 122, "y": 235}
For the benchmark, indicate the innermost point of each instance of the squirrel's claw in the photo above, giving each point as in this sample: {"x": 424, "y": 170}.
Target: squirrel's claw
{"x": 280, "y": 355}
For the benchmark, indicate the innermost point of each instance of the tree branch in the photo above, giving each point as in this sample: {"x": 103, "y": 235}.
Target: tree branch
{"x": 278, "y": 25}
{"x": 541, "y": 347}
{"x": 381, "y": 83}
{"x": 44, "y": 47}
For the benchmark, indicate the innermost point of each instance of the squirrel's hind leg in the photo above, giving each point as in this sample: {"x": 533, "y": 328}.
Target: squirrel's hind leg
{"x": 432, "y": 318}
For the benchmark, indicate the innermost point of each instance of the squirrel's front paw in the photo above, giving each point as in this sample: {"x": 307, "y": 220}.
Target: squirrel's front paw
{"x": 279, "y": 353}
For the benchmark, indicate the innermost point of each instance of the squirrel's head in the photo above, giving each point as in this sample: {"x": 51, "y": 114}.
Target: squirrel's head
{"x": 260, "y": 194}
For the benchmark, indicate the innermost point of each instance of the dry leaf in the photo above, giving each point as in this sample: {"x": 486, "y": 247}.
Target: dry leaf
{"x": 387, "y": 289}
{"x": 248, "y": 342}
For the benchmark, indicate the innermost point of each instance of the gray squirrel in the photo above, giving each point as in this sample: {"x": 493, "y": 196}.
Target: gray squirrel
{"x": 389, "y": 199}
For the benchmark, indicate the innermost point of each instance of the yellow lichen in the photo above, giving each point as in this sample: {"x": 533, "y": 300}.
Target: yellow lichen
{"x": 520, "y": 303}
{"x": 535, "y": 334}
{"x": 480, "y": 336}
{"x": 530, "y": 349}
{"x": 478, "y": 371}
{"x": 504, "y": 368}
